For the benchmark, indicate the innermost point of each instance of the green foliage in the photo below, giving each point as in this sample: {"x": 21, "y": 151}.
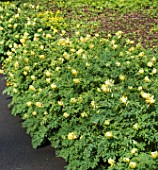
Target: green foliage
{"x": 94, "y": 98}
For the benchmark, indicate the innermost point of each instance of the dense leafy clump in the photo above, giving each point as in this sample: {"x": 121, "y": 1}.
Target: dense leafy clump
{"x": 94, "y": 98}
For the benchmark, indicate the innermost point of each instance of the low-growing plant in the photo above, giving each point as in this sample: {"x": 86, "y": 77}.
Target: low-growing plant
{"x": 94, "y": 98}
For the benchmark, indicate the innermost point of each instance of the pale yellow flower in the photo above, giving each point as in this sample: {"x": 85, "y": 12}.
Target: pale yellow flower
{"x": 108, "y": 134}
{"x": 84, "y": 114}
{"x": 15, "y": 90}
{"x": 1, "y": 71}
{"x": 154, "y": 71}
{"x": 97, "y": 35}
{"x": 80, "y": 51}
{"x": 72, "y": 136}
{"x": 131, "y": 49}
{"x": 27, "y": 68}
{"x": 74, "y": 72}
{"x": 105, "y": 88}
{"x": 124, "y": 100}
{"x": 9, "y": 53}
{"x": 150, "y": 100}
{"x": 38, "y": 104}
{"x": 11, "y": 75}
{"x": 13, "y": 50}
{"x": 77, "y": 33}
{"x": 130, "y": 87}
{"x": 36, "y": 35}
{"x": 63, "y": 32}
{"x": 126, "y": 159}
{"x": 141, "y": 71}
{"x": 32, "y": 53}
{"x": 121, "y": 54}
{"x": 48, "y": 36}
{"x": 109, "y": 35}
{"x": 34, "y": 113}
{"x": 150, "y": 64}
{"x": 146, "y": 79}
{"x": 73, "y": 50}
{"x": 57, "y": 68}
{"x": 16, "y": 16}
{"x": 134, "y": 151}
{"x": 76, "y": 81}
{"x": 29, "y": 103}
{"x": 153, "y": 59}
{"x": 66, "y": 115}
{"x": 140, "y": 88}
{"x": 115, "y": 46}
{"x": 118, "y": 64}
{"x": 53, "y": 86}
{"x": 60, "y": 103}
{"x": 47, "y": 73}
{"x": 26, "y": 60}
{"x": 111, "y": 161}
{"x": 22, "y": 40}
{"x": 154, "y": 154}
{"x": 133, "y": 165}
{"x": 145, "y": 95}
{"x": 136, "y": 126}
{"x": 45, "y": 113}
{"x": 31, "y": 87}
{"x": 93, "y": 104}
{"x": 107, "y": 122}
{"x": 25, "y": 116}
{"x": 42, "y": 47}
{"x": 73, "y": 100}
{"x": 40, "y": 30}
{"x": 112, "y": 42}
{"x": 25, "y": 73}
{"x": 41, "y": 57}
{"x": 33, "y": 77}
{"x": 122, "y": 77}
{"x": 141, "y": 54}
{"x": 91, "y": 46}
{"x": 66, "y": 56}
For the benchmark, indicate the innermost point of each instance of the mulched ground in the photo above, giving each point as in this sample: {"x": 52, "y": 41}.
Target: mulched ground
{"x": 137, "y": 26}
{"x": 16, "y": 152}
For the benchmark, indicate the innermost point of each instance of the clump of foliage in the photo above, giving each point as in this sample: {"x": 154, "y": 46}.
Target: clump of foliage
{"x": 94, "y": 99}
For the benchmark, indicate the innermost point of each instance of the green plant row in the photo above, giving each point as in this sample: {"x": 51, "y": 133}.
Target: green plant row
{"x": 94, "y": 99}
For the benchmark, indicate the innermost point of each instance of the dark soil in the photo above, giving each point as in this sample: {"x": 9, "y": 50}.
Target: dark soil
{"x": 135, "y": 25}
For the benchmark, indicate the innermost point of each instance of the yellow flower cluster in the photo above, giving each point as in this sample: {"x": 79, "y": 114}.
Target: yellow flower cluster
{"x": 48, "y": 17}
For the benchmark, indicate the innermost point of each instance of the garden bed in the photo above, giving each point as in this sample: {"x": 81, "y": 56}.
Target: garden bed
{"x": 84, "y": 81}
